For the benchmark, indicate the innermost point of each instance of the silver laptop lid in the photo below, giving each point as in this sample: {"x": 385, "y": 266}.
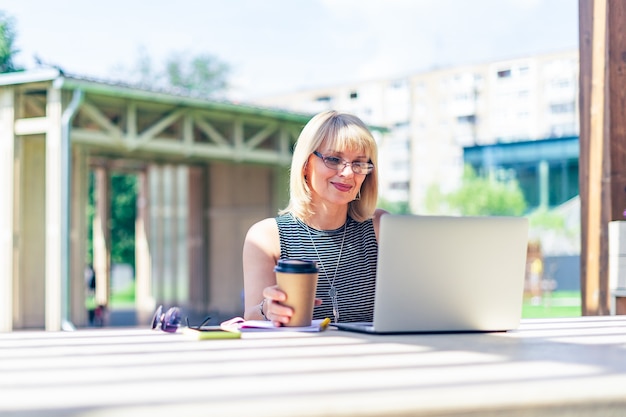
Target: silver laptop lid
{"x": 438, "y": 273}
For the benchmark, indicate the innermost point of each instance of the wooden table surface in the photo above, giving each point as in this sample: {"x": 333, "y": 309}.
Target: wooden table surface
{"x": 574, "y": 366}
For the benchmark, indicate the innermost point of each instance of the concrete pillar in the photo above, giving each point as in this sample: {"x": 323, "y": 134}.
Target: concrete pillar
{"x": 7, "y": 181}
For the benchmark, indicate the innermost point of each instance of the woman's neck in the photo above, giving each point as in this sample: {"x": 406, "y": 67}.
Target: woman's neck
{"x": 328, "y": 217}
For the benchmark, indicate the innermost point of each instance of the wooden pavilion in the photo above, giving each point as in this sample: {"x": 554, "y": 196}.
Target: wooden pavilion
{"x": 206, "y": 171}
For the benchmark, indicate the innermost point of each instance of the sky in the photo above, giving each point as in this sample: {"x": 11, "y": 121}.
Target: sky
{"x": 280, "y": 46}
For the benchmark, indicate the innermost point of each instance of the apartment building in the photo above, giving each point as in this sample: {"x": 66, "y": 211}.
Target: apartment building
{"x": 433, "y": 115}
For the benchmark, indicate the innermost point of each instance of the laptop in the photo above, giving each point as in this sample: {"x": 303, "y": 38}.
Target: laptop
{"x": 448, "y": 274}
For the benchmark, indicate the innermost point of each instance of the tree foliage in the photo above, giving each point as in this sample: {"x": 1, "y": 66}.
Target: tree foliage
{"x": 202, "y": 75}
{"x": 542, "y": 218}
{"x": 123, "y": 213}
{"x": 7, "y": 44}
{"x": 480, "y": 196}
{"x": 122, "y": 222}
{"x": 394, "y": 207}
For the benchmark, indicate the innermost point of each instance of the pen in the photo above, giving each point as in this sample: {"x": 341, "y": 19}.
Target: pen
{"x": 324, "y": 324}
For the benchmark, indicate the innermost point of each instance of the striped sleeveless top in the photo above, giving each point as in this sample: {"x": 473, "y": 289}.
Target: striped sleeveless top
{"x": 356, "y": 273}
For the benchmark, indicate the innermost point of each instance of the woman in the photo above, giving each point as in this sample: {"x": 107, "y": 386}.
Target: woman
{"x": 331, "y": 219}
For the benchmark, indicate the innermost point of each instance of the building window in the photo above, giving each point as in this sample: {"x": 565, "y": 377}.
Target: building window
{"x": 323, "y": 99}
{"x": 504, "y": 73}
{"x": 561, "y": 83}
{"x": 468, "y": 119}
{"x": 561, "y": 108}
{"x": 397, "y": 84}
{"x": 403, "y": 186}
{"x": 354, "y": 95}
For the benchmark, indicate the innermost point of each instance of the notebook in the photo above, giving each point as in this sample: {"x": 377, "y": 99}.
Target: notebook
{"x": 448, "y": 274}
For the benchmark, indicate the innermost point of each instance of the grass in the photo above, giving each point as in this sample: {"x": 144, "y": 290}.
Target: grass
{"x": 555, "y": 304}
{"x": 123, "y": 298}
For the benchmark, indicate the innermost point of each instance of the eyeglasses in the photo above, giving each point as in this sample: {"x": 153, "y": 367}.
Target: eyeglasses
{"x": 170, "y": 321}
{"x": 339, "y": 164}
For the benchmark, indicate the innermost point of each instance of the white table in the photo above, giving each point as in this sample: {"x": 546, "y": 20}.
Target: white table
{"x": 547, "y": 367}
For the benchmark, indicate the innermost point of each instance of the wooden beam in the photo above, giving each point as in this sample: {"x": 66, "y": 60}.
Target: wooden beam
{"x": 261, "y": 135}
{"x": 7, "y": 185}
{"x": 161, "y": 125}
{"x": 94, "y": 113}
{"x": 31, "y": 126}
{"x": 78, "y": 245}
{"x": 211, "y": 132}
{"x": 54, "y": 214}
{"x": 602, "y": 142}
{"x": 102, "y": 236}
{"x": 616, "y": 152}
{"x": 616, "y": 149}
{"x": 144, "y": 301}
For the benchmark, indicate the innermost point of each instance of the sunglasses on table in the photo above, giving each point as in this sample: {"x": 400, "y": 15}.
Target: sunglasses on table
{"x": 169, "y": 321}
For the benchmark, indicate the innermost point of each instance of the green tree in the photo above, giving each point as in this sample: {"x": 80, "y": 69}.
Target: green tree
{"x": 123, "y": 213}
{"x": 434, "y": 201}
{"x": 479, "y": 196}
{"x": 122, "y": 222}
{"x": 7, "y": 44}
{"x": 395, "y": 207}
{"x": 547, "y": 219}
{"x": 202, "y": 75}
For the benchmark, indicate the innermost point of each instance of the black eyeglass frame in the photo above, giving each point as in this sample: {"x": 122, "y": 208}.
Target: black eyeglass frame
{"x": 362, "y": 168}
{"x": 170, "y": 321}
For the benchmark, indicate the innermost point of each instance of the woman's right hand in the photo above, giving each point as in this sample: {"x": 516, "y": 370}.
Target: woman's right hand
{"x": 275, "y": 311}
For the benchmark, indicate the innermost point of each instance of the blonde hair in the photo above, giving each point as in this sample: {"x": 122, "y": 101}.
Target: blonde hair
{"x": 337, "y": 131}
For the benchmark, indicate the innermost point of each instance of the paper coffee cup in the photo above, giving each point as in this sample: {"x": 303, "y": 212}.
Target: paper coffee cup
{"x": 298, "y": 280}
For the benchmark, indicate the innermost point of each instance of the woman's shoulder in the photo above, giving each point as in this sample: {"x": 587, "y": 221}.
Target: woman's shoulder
{"x": 263, "y": 234}
{"x": 262, "y": 229}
